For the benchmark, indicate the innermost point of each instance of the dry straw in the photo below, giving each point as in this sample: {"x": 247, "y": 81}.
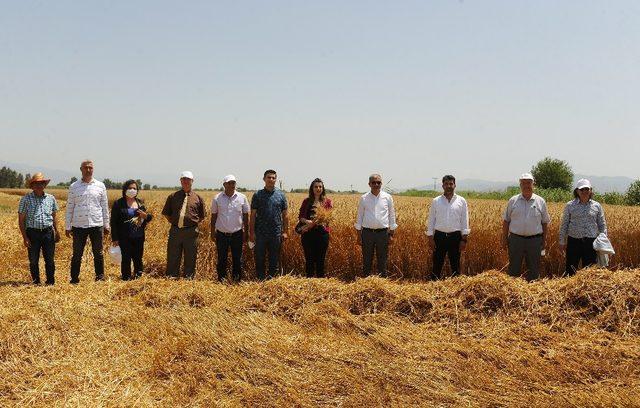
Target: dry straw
{"x": 484, "y": 340}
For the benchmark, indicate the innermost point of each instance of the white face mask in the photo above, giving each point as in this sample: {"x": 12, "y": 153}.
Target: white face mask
{"x": 132, "y": 192}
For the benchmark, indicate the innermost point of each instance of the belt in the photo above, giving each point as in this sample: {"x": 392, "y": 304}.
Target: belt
{"x": 449, "y": 234}
{"x": 375, "y": 229}
{"x": 527, "y": 236}
{"x": 40, "y": 229}
{"x": 583, "y": 238}
{"x": 228, "y": 234}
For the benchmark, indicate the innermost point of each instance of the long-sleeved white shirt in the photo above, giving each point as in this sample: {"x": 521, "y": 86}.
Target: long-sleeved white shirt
{"x": 87, "y": 205}
{"x": 448, "y": 216}
{"x": 376, "y": 212}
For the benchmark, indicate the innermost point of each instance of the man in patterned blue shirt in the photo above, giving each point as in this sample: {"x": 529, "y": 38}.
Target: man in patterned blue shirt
{"x": 39, "y": 227}
{"x": 269, "y": 224}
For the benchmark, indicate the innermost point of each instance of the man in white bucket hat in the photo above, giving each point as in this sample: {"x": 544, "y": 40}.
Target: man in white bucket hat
{"x": 524, "y": 229}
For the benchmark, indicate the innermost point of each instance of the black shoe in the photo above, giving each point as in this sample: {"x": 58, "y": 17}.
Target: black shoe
{"x": 74, "y": 281}
{"x": 49, "y": 283}
{"x": 36, "y": 282}
{"x": 99, "y": 278}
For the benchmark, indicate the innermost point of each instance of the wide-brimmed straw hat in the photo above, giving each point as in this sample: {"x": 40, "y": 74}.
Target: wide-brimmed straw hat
{"x": 38, "y": 177}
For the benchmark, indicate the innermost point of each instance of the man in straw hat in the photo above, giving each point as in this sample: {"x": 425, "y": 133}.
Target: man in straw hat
{"x": 524, "y": 229}
{"x": 39, "y": 227}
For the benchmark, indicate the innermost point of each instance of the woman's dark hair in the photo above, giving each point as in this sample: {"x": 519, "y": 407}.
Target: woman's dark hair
{"x": 576, "y": 195}
{"x": 312, "y": 195}
{"x": 126, "y": 185}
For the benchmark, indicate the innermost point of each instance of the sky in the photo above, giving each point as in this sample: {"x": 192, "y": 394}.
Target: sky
{"x": 330, "y": 89}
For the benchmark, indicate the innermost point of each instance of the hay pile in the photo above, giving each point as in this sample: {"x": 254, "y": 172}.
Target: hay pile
{"x": 486, "y": 340}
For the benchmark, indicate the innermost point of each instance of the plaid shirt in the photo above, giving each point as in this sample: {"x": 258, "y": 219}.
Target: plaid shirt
{"x": 39, "y": 210}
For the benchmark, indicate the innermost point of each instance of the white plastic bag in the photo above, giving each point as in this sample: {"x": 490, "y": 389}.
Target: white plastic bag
{"x": 115, "y": 255}
{"x": 602, "y": 244}
{"x": 603, "y": 247}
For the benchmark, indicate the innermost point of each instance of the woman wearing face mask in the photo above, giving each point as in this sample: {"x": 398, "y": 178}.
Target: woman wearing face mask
{"x": 129, "y": 218}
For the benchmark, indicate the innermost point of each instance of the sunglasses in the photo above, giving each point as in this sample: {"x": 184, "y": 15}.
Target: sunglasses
{"x": 585, "y": 189}
{"x": 376, "y": 182}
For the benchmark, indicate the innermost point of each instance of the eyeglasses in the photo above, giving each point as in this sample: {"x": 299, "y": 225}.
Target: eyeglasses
{"x": 585, "y": 189}
{"x": 376, "y": 182}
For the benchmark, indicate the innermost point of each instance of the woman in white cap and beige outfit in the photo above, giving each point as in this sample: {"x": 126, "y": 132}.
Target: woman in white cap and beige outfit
{"x": 582, "y": 221}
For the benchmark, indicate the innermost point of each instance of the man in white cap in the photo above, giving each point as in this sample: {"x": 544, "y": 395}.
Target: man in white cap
{"x": 39, "y": 227}
{"x": 184, "y": 209}
{"x": 524, "y": 229}
{"x": 229, "y": 226}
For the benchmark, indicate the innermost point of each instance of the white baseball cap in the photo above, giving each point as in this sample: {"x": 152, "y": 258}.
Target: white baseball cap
{"x": 229, "y": 178}
{"x": 582, "y": 183}
{"x": 526, "y": 176}
{"x": 186, "y": 174}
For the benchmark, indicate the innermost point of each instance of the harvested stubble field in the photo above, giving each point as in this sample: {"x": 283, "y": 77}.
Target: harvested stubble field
{"x": 483, "y": 340}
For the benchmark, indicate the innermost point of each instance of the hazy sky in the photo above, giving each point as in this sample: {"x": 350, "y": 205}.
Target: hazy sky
{"x": 335, "y": 89}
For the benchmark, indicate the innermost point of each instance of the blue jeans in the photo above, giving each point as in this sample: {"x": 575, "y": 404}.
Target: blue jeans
{"x": 272, "y": 245}
{"x": 42, "y": 241}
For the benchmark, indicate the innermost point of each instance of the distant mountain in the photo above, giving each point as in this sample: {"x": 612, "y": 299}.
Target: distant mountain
{"x": 55, "y": 175}
{"x": 160, "y": 179}
{"x": 602, "y": 184}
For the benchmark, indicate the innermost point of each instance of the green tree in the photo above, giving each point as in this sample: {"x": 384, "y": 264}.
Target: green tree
{"x": 633, "y": 193}
{"x": 553, "y": 173}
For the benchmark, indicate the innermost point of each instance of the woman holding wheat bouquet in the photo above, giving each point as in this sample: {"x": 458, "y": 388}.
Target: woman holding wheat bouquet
{"x": 313, "y": 225}
{"x": 129, "y": 217}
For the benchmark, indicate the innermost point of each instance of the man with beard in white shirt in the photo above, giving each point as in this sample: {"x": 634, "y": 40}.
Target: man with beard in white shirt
{"x": 447, "y": 228}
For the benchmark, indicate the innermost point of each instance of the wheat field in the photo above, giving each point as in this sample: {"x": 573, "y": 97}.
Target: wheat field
{"x": 484, "y": 340}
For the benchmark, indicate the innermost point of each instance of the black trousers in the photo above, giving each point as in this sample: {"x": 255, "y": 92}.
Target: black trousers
{"x": 375, "y": 242}
{"x": 132, "y": 250}
{"x": 42, "y": 241}
{"x": 315, "y": 243}
{"x": 579, "y": 249}
{"x": 224, "y": 242}
{"x": 79, "y": 241}
{"x": 446, "y": 244}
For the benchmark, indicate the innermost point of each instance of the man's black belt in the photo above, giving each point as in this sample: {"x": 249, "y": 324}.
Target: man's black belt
{"x": 527, "y": 236}
{"x": 229, "y": 234}
{"x": 449, "y": 234}
{"x": 375, "y": 229}
{"x": 40, "y": 229}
